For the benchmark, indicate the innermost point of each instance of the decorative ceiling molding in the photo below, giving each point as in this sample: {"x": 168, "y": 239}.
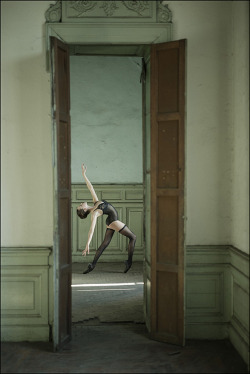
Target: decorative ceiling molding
{"x": 107, "y": 11}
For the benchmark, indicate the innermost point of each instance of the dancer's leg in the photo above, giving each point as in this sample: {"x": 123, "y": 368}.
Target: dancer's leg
{"x": 107, "y": 239}
{"x": 131, "y": 246}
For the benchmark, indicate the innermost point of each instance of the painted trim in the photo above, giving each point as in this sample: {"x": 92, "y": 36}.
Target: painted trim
{"x": 107, "y": 33}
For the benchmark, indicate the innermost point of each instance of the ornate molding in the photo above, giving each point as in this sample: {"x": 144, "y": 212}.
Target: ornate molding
{"x": 164, "y": 13}
{"x": 54, "y": 13}
{"x": 109, "y": 7}
{"x": 108, "y": 23}
{"x": 137, "y": 6}
{"x": 82, "y": 6}
{"x": 95, "y": 11}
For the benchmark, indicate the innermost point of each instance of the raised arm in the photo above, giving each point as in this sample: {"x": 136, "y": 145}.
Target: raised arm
{"x": 91, "y": 232}
{"x": 90, "y": 187}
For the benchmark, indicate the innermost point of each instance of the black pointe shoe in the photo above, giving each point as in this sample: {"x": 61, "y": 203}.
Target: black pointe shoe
{"x": 89, "y": 269}
{"x": 127, "y": 266}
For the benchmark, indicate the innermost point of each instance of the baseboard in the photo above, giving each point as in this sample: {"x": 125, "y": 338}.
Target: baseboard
{"x": 207, "y": 331}
{"x": 30, "y": 333}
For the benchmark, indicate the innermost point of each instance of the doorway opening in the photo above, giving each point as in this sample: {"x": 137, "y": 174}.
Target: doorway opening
{"x": 107, "y": 134}
{"x": 163, "y": 124}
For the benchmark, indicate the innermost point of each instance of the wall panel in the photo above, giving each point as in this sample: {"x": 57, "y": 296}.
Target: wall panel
{"x": 25, "y": 294}
{"x": 217, "y": 295}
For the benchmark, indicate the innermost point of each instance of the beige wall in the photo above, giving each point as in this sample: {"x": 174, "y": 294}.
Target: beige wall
{"x": 206, "y": 26}
{"x": 240, "y": 117}
{"x": 217, "y": 119}
{"x": 27, "y": 194}
{"x": 217, "y": 123}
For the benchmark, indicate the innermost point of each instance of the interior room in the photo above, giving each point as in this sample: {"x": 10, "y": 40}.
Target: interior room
{"x": 163, "y": 127}
{"x": 107, "y": 135}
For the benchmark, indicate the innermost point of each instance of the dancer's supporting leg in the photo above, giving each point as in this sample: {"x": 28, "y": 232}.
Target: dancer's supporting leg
{"x": 131, "y": 246}
{"x": 107, "y": 239}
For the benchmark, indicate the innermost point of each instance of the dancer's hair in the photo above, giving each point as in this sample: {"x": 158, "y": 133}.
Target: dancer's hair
{"x": 82, "y": 213}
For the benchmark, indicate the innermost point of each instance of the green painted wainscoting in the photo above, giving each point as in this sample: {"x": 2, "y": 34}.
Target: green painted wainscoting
{"x": 26, "y": 294}
{"x": 128, "y": 201}
{"x": 239, "y": 297}
{"x": 217, "y": 295}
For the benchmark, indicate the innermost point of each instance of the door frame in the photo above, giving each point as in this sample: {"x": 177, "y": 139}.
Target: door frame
{"x": 146, "y": 168}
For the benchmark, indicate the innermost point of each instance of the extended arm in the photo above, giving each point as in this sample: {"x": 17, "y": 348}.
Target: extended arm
{"x": 91, "y": 232}
{"x": 90, "y": 187}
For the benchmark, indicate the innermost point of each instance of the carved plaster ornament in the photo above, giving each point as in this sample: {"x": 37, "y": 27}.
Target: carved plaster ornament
{"x": 54, "y": 13}
{"x": 136, "y": 6}
{"x": 164, "y": 13}
{"x": 109, "y": 7}
{"x": 83, "y": 6}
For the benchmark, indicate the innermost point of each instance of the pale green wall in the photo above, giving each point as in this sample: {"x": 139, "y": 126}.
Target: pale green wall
{"x": 26, "y": 157}
{"x": 217, "y": 119}
{"x": 208, "y": 124}
{"x": 106, "y": 118}
{"x": 240, "y": 116}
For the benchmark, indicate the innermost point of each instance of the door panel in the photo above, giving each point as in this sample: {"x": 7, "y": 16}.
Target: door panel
{"x": 167, "y": 230}
{"x": 168, "y": 159}
{"x": 167, "y": 191}
{"x": 62, "y": 193}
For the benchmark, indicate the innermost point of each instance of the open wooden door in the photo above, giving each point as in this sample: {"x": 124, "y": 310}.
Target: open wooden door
{"x": 62, "y": 192}
{"x": 167, "y": 191}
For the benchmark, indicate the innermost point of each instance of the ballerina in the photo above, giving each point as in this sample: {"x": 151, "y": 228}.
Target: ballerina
{"x": 112, "y": 222}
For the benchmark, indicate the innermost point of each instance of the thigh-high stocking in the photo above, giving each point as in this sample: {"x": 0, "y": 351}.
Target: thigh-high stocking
{"x": 131, "y": 246}
{"x": 107, "y": 239}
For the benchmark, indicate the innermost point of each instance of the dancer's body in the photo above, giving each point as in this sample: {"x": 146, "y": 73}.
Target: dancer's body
{"x": 112, "y": 222}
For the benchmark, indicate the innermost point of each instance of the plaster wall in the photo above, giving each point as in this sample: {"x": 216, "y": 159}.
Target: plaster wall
{"x": 106, "y": 118}
{"x": 217, "y": 119}
{"x": 240, "y": 117}
{"x": 26, "y": 153}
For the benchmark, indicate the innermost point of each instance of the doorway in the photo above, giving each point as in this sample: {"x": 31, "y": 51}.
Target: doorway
{"x": 107, "y": 135}
{"x": 164, "y": 192}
